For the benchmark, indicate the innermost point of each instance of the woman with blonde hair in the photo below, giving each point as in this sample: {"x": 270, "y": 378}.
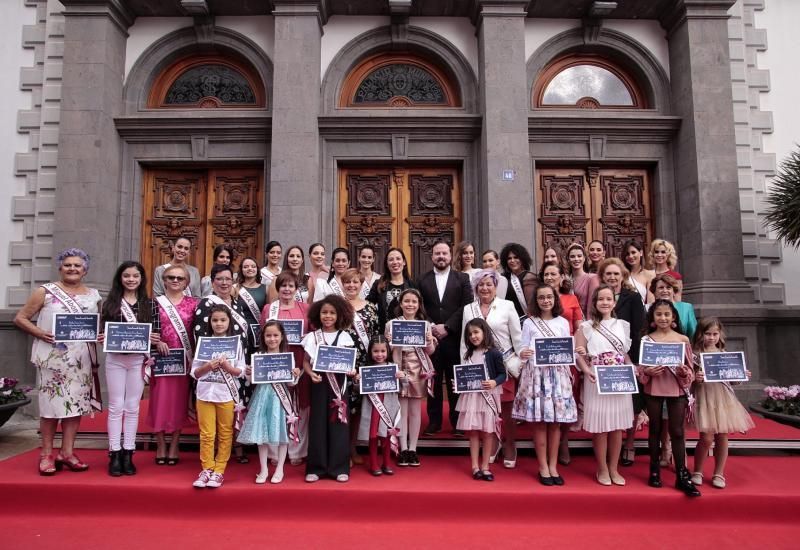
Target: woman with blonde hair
{"x": 663, "y": 257}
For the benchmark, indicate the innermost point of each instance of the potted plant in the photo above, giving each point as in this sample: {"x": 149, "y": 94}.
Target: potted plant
{"x": 11, "y": 398}
{"x": 781, "y": 404}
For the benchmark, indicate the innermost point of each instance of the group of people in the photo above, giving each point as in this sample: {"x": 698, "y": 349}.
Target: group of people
{"x": 488, "y": 316}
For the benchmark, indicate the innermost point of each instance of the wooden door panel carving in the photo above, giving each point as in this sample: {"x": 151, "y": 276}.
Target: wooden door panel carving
{"x": 625, "y": 214}
{"x": 583, "y": 204}
{"x": 174, "y": 206}
{"x": 236, "y": 211}
{"x": 430, "y": 217}
{"x": 563, "y": 211}
{"x": 208, "y": 207}
{"x": 408, "y": 208}
{"x": 368, "y": 216}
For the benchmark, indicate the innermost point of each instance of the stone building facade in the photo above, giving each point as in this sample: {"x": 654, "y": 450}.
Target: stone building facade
{"x": 401, "y": 122}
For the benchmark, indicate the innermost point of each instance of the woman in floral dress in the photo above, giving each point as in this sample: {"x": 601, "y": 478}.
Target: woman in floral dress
{"x": 64, "y": 370}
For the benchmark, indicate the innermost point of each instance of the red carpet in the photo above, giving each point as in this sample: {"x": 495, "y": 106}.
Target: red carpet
{"x": 765, "y": 430}
{"x": 437, "y": 505}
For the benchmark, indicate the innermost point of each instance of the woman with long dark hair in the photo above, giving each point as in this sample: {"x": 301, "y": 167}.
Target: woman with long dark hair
{"x": 516, "y": 262}
{"x": 223, "y": 254}
{"x": 387, "y": 289}
{"x": 127, "y": 302}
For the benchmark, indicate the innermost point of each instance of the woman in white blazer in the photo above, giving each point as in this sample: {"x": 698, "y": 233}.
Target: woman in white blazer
{"x": 502, "y": 318}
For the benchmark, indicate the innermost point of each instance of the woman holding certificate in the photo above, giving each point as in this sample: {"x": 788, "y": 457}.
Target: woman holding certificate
{"x": 173, "y": 316}
{"x": 288, "y": 308}
{"x": 127, "y": 302}
{"x": 65, "y": 370}
{"x": 502, "y": 318}
{"x": 604, "y": 340}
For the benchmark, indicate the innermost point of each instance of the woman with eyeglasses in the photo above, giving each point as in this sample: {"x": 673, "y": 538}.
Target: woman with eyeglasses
{"x": 173, "y": 317}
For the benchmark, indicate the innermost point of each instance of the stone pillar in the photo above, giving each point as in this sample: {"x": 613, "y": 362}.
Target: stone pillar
{"x": 507, "y": 204}
{"x": 295, "y": 197}
{"x": 89, "y": 152}
{"x": 706, "y": 179}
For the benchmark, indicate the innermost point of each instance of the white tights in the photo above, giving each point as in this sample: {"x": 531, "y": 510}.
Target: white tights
{"x": 410, "y": 422}
{"x": 125, "y": 387}
{"x": 278, "y": 452}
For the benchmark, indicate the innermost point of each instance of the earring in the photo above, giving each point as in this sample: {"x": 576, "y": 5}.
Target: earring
{"x": 674, "y": 325}
{"x": 653, "y": 324}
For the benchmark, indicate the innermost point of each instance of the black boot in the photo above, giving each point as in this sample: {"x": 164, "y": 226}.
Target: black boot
{"x": 655, "y": 475}
{"x": 683, "y": 482}
{"x": 114, "y": 463}
{"x": 127, "y": 463}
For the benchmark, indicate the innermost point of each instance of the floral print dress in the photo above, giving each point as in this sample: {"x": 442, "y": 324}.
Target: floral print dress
{"x": 64, "y": 370}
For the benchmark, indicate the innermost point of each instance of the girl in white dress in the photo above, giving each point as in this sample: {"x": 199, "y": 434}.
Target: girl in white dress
{"x": 605, "y": 340}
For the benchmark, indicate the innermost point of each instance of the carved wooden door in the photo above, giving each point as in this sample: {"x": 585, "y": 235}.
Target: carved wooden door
{"x": 209, "y": 207}
{"x": 410, "y": 208}
{"x": 583, "y": 204}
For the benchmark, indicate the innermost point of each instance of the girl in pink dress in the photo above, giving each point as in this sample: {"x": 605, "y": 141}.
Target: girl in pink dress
{"x": 169, "y": 395}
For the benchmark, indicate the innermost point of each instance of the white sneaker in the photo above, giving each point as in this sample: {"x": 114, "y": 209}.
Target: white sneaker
{"x": 202, "y": 479}
{"x": 261, "y": 478}
{"x": 343, "y": 478}
{"x": 312, "y": 478}
{"x": 215, "y": 480}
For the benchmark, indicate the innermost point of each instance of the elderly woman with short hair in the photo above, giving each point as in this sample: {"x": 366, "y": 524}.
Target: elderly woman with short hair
{"x": 64, "y": 370}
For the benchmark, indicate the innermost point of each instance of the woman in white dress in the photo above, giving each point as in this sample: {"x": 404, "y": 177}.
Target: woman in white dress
{"x": 502, "y": 318}
{"x": 605, "y": 340}
{"x": 366, "y": 261}
{"x": 272, "y": 264}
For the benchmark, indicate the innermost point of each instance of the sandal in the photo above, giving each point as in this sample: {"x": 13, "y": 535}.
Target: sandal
{"x": 510, "y": 462}
{"x": 718, "y": 481}
{"x": 47, "y": 466}
{"x": 72, "y": 462}
{"x": 161, "y": 460}
{"x": 173, "y": 461}
{"x": 628, "y": 456}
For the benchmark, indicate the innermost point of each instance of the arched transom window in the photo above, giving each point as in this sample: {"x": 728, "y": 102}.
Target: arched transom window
{"x": 586, "y": 82}
{"x": 208, "y": 81}
{"x": 398, "y": 81}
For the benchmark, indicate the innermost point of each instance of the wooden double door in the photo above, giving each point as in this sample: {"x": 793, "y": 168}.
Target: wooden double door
{"x": 209, "y": 206}
{"x": 582, "y": 204}
{"x": 405, "y": 207}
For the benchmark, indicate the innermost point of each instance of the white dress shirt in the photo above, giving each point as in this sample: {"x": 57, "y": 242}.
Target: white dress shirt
{"x": 441, "y": 281}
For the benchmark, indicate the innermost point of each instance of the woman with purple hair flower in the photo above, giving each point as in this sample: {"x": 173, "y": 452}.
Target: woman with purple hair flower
{"x": 64, "y": 370}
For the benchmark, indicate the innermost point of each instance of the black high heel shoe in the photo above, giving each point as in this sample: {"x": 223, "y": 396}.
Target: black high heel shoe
{"x": 655, "y": 476}
{"x": 683, "y": 482}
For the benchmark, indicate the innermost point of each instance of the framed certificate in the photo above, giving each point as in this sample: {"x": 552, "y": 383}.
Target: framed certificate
{"x": 656, "y": 354}
{"x": 728, "y": 366}
{"x": 335, "y": 359}
{"x": 172, "y": 364}
{"x": 76, "y": 327}
{"x": 127, "y": 338}
{"x": 379, "y": 379}
{"x": 293, "y": 329}
{"x": 272, "y": 368}
{"x": 212, "y": 347}
{"x": 553, "y": 351}
{"x": 409, "y": 334}
{"x": 616, "y": 379}
{"x": 469, "y": 377}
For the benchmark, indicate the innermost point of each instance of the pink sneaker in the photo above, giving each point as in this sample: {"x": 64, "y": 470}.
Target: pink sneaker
{"x": 202, "y": 479}
{"x": 215, "y": 480}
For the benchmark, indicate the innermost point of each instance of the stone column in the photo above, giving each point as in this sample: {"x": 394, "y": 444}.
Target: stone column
{"x": 89, "y": 152}
{"x": 706, "y": 179}
{"x": 295, "y": 197}
{"x": 506, "y": 204}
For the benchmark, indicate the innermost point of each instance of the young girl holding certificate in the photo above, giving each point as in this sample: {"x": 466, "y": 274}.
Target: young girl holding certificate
{"x": 605, "y": 340}
{"x": 380, "y": 423}
{"x": 718, "y": 411}
{"x": 545, "y": 392}
{"x": 415, "y": 363}
{"x": 479, "y": 412}
{"x": 670, "y": 384}
{"x": 217, "y": 394}
{"x": 329, "y": 433}
{"x": 272, "y": 417}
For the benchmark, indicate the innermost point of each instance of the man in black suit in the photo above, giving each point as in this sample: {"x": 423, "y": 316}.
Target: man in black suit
{"x": 444, "y": 294}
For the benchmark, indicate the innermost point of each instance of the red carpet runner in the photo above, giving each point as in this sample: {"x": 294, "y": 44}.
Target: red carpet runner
{"x": 436, "y": 505}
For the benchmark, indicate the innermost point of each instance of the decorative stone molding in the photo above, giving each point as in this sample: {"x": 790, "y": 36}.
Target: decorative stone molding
{"x": 755, "y": 166}
{"x": 35, "y": 209}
